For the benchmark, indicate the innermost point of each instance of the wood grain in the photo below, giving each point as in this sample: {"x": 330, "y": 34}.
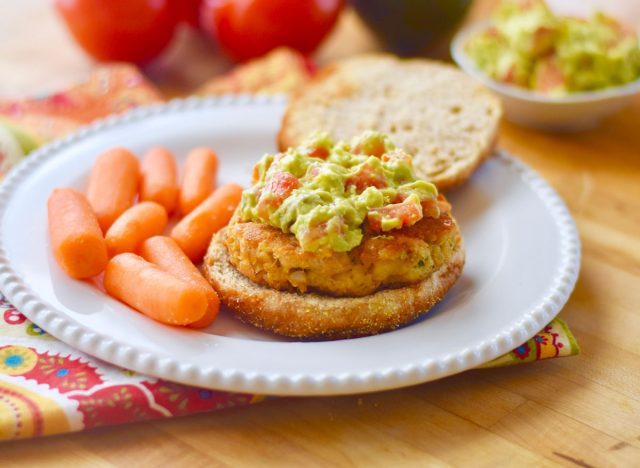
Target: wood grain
{"x": 582, "y": 411}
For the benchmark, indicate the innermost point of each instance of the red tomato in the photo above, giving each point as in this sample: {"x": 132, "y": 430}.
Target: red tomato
{"x": 189, "y": 12}
{"x": 250, "y": 28}
{"x": 407, "y": 213}
{"x": 128, "y": 30}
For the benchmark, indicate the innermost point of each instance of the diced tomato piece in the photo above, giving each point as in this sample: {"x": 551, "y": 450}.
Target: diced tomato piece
{"x": 543, "y": 40}
{"x": 318, "y": 152}
{"x": 443, "y": 204}
{"x": 509, "y": 76}
{"x": 375, "y": 148}
{"x": 374, "y": 219}
{"x": 407, "y": 213}
{"x": 433, "y": 208}
{"x": 279, "y": 187}
{"x": 366, "y": 177}
{"x": 549, "y": 76}
{"x": 430, "y": 208}
{"x": 282, "y": 184}
{"x": 399, "y": 198}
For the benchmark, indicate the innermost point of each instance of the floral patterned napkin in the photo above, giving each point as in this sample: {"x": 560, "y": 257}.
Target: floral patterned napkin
{"x": 47, "y": 387}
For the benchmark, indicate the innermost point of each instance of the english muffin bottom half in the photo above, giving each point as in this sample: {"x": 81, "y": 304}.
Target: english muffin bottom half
{"x": 321, "y": 314}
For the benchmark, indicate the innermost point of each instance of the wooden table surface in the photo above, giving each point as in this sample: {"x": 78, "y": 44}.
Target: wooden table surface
{"x": 583, "y": 410}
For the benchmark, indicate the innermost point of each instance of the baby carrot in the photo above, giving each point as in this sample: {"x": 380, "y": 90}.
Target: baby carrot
{"x": 165, "y": 253}
{"x": 76, "y": 238}
{"x": 194, "y": 231}
{"x": 113, "y": 185}
{"x": 138, "y": 223}
{"x": 198, "y": 180}
{"x": 155, "y": 293}
{"x": 159, "y": 180}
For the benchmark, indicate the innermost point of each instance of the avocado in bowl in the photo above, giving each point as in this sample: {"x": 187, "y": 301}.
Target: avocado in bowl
{"x": 554, "y": 73}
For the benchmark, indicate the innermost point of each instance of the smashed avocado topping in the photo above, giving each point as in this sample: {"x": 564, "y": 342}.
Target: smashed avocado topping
{"x": 324, "y": 192}
{"x": 527, "y": 45}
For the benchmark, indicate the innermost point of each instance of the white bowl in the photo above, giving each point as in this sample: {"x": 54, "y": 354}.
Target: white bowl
{"x": 573, "y": 112}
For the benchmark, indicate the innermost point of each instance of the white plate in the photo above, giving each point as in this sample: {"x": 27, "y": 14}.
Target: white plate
{"x": 522, "y": 263}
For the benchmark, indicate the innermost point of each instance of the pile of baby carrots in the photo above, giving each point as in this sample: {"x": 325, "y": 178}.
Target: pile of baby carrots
{"x": 117, "y": 229}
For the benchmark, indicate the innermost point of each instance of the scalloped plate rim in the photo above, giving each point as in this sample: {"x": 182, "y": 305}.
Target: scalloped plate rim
{"x": 108, "y": 349}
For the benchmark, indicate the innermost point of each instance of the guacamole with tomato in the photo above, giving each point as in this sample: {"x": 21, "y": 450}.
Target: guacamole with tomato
{"x": 528, "y": 45}
{"x": 326, "y": 193}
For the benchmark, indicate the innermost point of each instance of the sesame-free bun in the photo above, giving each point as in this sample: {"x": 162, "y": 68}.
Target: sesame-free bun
{"x": 444, "y": 118}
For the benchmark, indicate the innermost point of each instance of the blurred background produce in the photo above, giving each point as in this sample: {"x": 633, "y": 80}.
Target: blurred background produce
{"x": 127, "y": 30}
{"x": 246, "y": 29}
{"x": 180, "y": 47}
{"x": 525, "y": 44}
{"x": 139, "y": 30}
{"x": 412, "y": 27}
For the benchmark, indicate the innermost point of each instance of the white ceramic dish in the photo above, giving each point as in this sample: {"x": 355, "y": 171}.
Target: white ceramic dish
{"x": 522, "y": 248}
{"x": 574, "y": 112}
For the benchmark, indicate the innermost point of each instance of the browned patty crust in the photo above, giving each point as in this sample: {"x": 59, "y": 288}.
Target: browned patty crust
{"x": 269, "y": 257}
{"x": 313, "y": 315}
